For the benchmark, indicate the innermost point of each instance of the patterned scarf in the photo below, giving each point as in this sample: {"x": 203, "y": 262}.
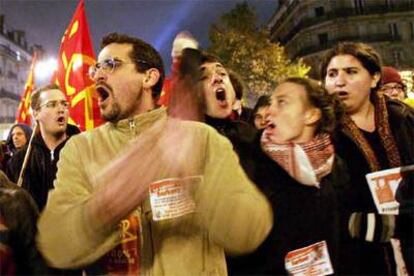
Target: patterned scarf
{"x": 305, "y": 162}
{"x": 384, "y": 132}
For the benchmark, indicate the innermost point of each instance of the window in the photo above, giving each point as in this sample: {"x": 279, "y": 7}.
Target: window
{"x": 359, "y": 6}
{"x": 394, "y": 30}
{"x": 319, "y": 11}
{"x": 397, "y": 57}
{"x": 323, "y": 39}
{"x": 412, "y": 30}
{"x": 389, "y": 3}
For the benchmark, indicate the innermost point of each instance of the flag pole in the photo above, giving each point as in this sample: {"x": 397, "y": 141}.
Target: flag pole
{"x": 27, "y": 155}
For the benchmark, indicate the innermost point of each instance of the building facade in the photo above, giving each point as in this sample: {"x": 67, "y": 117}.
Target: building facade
{"x": 15, "y": 58}
{"x": 307, "y": 28}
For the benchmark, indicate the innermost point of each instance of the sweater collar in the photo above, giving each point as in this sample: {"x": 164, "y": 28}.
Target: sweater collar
{"x": 141, "y": 121}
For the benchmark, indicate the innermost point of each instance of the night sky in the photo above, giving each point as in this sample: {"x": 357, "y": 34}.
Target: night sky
{"x": 156, "y": 21}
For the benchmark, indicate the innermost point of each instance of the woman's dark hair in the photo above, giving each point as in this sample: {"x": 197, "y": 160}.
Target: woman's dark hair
{"x": 263, "y": 100}
{"x": 330, "y": 106}
{"x": 366, "y": 54}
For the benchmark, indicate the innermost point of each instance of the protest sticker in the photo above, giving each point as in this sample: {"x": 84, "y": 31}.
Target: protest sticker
{"x": 383, "y": 186}
{"x": 311, "y": 260}
{"x": 173, "y": 197}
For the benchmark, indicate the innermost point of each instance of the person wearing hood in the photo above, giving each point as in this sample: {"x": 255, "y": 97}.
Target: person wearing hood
{"x": 19, "y": 136}
{"x": 182, "y": 40}
{"x": 50, "y": 109}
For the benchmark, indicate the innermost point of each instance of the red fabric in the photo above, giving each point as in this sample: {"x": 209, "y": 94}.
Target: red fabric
{"x": 124, "y": 259}
{"x": 165, "y": 96}
{"x": 165, "y": 93}
{"x": 75, "y": 56}
{"x": 23, "y": 112}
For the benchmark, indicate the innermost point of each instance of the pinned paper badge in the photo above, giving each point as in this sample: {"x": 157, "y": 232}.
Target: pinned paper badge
{"x": 311, "y": 260}
{"x": 173, "y": 197}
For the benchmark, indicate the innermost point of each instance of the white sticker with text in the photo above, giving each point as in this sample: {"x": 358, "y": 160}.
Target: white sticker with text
{"x": 173, "y": 197}
{"x": 311, "y": 260}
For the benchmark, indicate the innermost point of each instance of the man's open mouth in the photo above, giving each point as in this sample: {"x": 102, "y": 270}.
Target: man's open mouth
{"x": 221, "y": 96}
{"x": 102, "y": 91}
{"x": 61, "y": 119}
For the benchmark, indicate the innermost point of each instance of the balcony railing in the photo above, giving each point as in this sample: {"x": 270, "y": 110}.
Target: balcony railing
{"x": 8, "y": 94}
{"x": 5, "y": 49}
{"x": 330, "y": 43}
{"x": 7, "y": 119}
{"x": 401, "y": 6}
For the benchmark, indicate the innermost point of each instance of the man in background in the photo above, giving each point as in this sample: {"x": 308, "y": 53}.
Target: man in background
{"x": 51, "y": 112}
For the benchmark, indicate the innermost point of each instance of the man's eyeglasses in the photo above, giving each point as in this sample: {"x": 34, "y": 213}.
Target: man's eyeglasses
{"x": 108, "y": 66}
{"x": 54, "y": 103}
{"x": 397, "y": 87}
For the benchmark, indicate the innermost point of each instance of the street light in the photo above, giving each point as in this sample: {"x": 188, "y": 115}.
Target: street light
{"x": 45, "y": 68}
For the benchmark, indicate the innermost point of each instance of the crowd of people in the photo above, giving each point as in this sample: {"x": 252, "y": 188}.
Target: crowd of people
{"x": 191, "y": 182}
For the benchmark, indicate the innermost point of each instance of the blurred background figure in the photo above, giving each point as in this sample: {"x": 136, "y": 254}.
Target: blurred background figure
{"x": 3, "y": 151}
{"x": 259, "y": 112}
{"x": 240, "y": 112}
{"x": 392, "y": 84}
{"x": 183, "y": 40}
{"x": 18, "y": 216}
{"x": 18, "y": 136}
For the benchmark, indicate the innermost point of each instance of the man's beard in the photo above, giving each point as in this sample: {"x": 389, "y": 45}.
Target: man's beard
{"x": 113, "y": 114}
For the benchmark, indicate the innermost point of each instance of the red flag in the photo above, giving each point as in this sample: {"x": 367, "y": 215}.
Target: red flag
{"x": 75, "y": 56}
{"x": 23, "y": 112}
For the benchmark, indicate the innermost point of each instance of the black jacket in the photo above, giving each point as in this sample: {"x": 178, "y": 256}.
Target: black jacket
{"x": 303, "y": 216}
{"x": 242, "y": 136}
{"x": 41, "y": 168}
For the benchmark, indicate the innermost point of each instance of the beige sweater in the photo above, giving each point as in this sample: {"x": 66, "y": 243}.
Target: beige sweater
{"x": 230, "y": 214}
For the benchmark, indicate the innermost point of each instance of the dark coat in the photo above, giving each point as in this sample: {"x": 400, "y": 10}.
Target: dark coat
{"x": 241, "y": 135}
{"x": 373, "y": 257}
{"x": 18, "y": 216}
{"x": 303, "y": 216}
{"x": 27, "y": 132}
{"x": 41, "y": 168}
